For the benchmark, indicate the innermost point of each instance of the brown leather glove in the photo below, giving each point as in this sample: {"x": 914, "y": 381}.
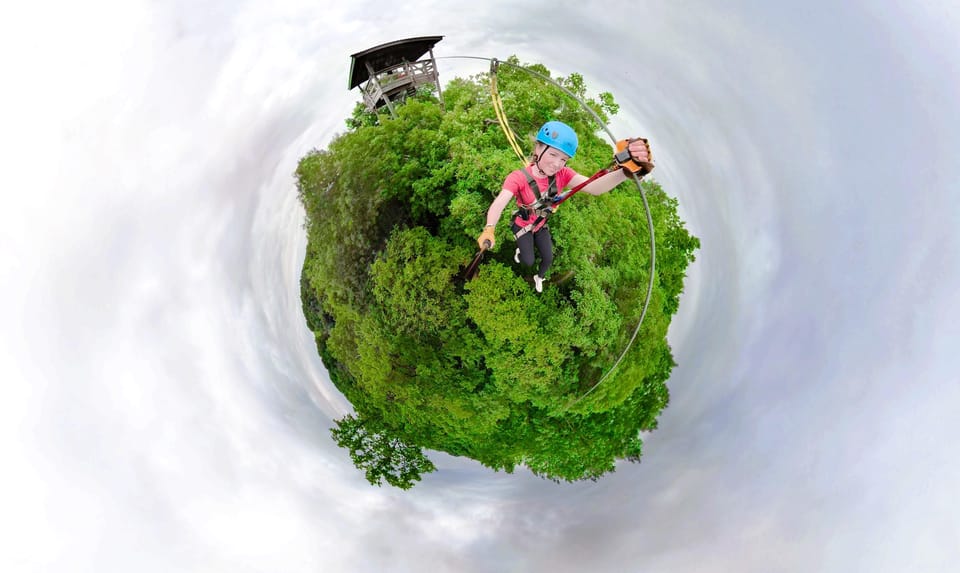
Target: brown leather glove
{"x": 486, "y": 237}
{"x": 629, "y": 164}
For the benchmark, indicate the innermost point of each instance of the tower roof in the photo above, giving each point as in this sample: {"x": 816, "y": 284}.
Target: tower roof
{"x": 388, "y": 55}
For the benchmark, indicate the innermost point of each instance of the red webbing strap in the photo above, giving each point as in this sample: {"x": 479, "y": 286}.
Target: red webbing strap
{"x": 560, "y": 199}
{"x": 564, "y": 196}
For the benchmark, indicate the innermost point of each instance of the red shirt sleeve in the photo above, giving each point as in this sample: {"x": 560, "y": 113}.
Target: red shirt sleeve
{"x": 564, "y": 177}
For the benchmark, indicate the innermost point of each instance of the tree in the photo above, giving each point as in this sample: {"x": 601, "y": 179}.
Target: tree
{"x": 486, "y": 369}
{"x": 379, "y": 454}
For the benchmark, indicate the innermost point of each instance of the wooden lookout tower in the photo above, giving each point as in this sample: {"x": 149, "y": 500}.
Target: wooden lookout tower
{"x": 394, "y": 70}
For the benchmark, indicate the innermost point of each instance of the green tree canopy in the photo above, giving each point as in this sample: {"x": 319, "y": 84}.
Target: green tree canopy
{"x": 381, "y": 455}
{"x": 487, "y": 369}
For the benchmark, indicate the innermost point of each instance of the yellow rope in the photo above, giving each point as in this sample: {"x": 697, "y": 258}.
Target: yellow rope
{"x": 501, "y": 116}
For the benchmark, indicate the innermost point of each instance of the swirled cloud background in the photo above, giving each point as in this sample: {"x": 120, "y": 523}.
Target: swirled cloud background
{"x": 163, "y": 406}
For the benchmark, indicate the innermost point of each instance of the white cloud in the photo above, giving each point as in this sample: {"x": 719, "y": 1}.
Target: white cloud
{"x": 164, "y": 407}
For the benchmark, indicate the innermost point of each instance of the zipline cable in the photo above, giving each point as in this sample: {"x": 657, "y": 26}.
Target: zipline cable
{"x": 501, "y": 117}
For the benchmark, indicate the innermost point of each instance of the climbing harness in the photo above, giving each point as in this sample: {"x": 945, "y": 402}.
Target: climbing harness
{"x": 544, "y": 207}
{"x": 620, "y": 160}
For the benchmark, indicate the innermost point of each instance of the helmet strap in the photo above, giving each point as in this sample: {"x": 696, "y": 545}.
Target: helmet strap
{"x": 538, "y": 157}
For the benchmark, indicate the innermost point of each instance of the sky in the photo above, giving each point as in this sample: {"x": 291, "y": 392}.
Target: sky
{"x": 163, "y": 405}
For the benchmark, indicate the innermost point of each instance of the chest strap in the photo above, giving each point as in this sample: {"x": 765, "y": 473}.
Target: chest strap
{"x": 542, "y": 207}
{"x": 551, "y": 190}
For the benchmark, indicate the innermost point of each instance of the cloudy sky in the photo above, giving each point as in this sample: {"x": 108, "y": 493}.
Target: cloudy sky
{"x": 163, "y": 407}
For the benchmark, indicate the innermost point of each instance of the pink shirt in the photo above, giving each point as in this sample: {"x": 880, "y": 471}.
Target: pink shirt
{"x": 516, "y": 183}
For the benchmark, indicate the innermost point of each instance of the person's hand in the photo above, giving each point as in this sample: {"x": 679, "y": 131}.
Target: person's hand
{"x": 640, "y": 151}
{"x": 486, "y": 239}
{"x": 639, "y": 158}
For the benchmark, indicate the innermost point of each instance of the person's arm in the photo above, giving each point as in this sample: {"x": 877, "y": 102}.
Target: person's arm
{"x": 486, "y": 239}
{"x": 639, "y": 152}
{"x": 497, "y": 207}
{"x": 600, "y": 185}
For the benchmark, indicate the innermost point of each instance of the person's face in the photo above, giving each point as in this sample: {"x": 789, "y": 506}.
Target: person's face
{"x": 552, "y": 160}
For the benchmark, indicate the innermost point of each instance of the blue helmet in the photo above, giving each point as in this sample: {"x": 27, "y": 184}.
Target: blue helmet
{"x": 560, "y": 135}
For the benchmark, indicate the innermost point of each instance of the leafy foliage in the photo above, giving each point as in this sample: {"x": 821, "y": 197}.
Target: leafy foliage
{"x": 380, "y": 455}
{"x": 487, "y": 369}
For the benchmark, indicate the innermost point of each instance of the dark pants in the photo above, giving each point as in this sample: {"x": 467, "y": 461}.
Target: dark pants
{"x": 544, "y": 243}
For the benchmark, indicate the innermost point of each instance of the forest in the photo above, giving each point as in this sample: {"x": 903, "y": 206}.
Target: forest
{"x": 485, "y": 368}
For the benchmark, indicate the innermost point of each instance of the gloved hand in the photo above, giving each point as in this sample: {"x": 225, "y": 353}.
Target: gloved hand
{"x": 634, "y": 156}
{"x": 486, "y": 237}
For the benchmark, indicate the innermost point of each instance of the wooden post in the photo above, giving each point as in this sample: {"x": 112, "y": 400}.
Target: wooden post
{"x": 436, "y": 78}
{"x": 383, "y": 94}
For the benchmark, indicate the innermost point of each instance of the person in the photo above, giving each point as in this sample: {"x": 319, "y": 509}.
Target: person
{"x": 546, "y": 176}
